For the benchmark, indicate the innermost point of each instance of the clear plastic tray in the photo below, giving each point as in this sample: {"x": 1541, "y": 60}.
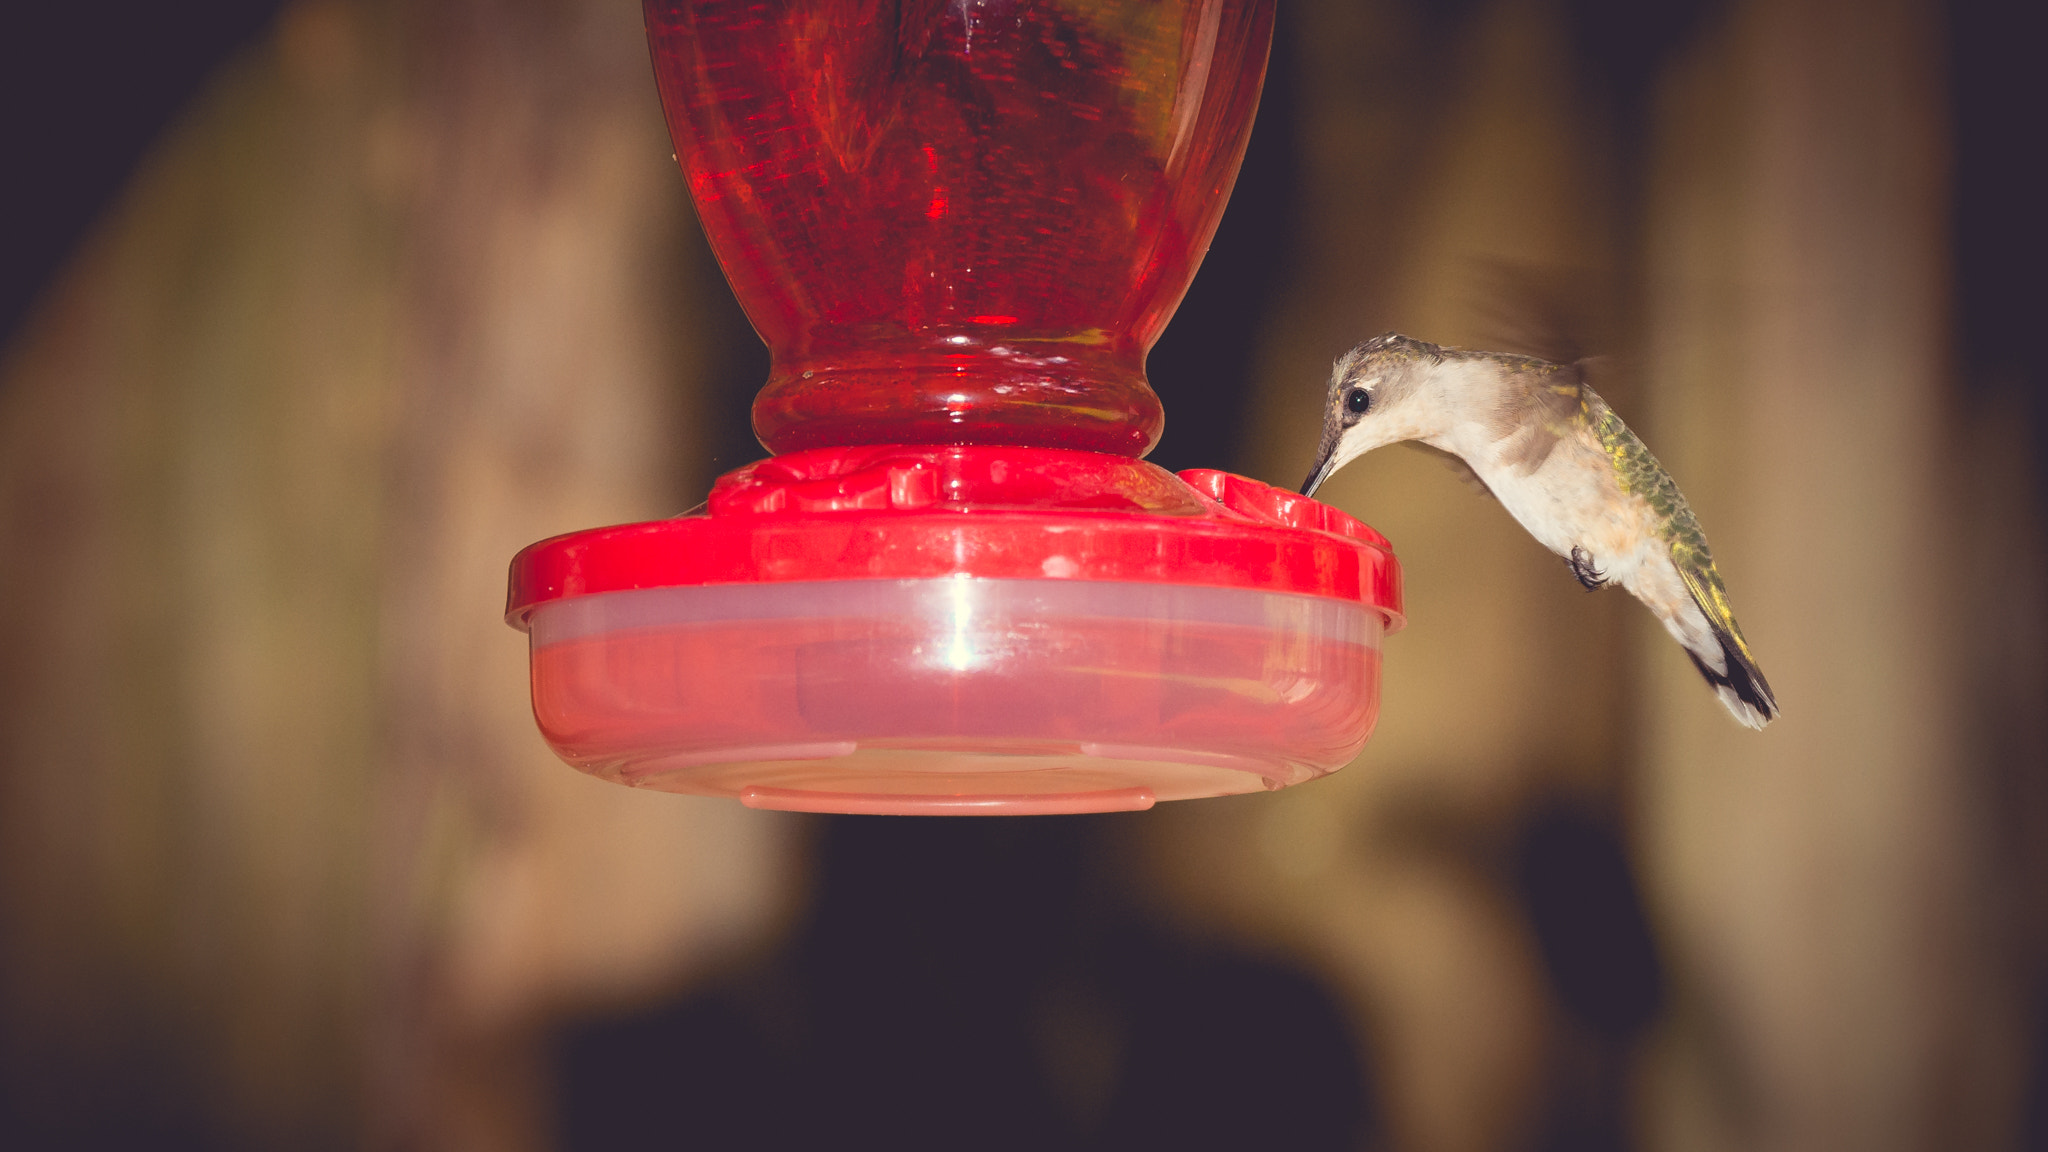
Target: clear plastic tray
{"x": 956, "y": 694}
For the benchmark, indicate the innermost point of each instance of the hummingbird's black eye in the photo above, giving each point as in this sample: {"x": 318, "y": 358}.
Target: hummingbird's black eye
{"x": 1357, "y": 401}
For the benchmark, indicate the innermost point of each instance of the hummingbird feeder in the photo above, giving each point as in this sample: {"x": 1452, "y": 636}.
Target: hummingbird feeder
{"x": 956, "y": 586}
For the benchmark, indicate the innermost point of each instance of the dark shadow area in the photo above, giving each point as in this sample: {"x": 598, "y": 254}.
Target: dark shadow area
{"x": 2000, "y": 174}
{"x": 1203, "y": 365}
{"x": 1573, "y": 879}
{"x": 1623, "y": 47}
{"x": 2034, "y": 1120}
{"x": 86, "y": 89}
{"x": 2001, "y": 183}
{"x": 973, "y": 984}
{"x": 102, "y": 1102}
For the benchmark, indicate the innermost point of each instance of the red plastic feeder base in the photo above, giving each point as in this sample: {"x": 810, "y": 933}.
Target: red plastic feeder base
{"x": 972, "y": 629}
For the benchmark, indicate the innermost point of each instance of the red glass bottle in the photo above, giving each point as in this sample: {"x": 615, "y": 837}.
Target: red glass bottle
{"x": 959, "y": 221}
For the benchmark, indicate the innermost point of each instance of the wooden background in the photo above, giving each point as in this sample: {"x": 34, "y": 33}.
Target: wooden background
{"x": 283, "y": 863}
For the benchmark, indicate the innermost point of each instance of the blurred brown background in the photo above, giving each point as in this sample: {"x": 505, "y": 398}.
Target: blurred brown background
{"x": 315, "y": 313}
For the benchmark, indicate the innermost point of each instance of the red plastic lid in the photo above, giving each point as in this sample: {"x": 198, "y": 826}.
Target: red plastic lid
{"x": 915, "y": 511}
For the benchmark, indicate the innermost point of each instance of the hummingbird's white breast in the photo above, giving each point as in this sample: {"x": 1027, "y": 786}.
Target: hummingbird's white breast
{"x": 1570, "y": 500}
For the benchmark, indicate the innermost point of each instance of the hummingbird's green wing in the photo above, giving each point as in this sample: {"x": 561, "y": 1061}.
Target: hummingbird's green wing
{"x": 1639, "y": 474}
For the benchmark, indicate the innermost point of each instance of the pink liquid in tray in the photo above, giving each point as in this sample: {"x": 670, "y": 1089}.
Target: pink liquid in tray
{"x": 1080, "y": 693}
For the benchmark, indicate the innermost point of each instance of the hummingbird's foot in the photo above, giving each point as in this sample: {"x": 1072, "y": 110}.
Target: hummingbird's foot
{"x": 1581, "y": 563}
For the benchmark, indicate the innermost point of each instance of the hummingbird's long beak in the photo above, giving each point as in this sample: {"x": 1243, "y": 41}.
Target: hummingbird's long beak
{"x": 1326, "y": 456}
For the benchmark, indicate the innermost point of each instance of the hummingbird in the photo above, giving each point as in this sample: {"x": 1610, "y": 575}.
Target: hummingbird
{"x": 1532, "y": 434}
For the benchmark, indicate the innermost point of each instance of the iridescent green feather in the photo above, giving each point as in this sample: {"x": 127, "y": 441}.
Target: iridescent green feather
{"x": 1639, "y": 474}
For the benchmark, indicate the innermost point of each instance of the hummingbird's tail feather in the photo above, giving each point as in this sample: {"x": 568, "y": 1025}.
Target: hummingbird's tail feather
{"x": 1739, "y": 682}
{"x": 1742, "y": 688}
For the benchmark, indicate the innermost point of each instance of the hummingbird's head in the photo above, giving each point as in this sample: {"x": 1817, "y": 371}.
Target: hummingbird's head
{"x": 1373, "y": 401}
